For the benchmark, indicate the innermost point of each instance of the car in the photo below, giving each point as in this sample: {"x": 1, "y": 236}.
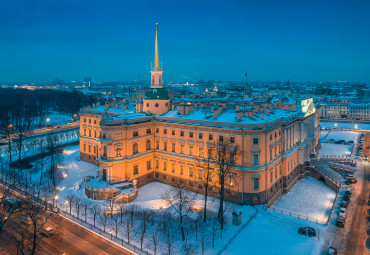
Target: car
{"x": 332, "y": 251}
{"x": 348, "y": 189}
{"x": 308, "y": 231}
{"x": 27, "y": 220}
{"x": 344, "y": 204}
{"x": 350, "y": 181}
{"x": 340, "y": 221}
{"x": 350, "y": 177}
{"x": 48, "y": 231}
{"x": 347, "y": 192}
{"x": 345, "y": 198}
{"x": 342, "y": 212}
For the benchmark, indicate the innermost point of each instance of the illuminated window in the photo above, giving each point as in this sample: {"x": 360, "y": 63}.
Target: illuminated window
{"x": 136, "y": 170}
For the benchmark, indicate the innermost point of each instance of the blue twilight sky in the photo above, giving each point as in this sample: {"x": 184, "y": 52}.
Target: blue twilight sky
{"x": 109, "y": 40}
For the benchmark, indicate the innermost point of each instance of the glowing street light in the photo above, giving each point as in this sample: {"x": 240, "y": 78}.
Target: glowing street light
{"x": 47, "y": 119}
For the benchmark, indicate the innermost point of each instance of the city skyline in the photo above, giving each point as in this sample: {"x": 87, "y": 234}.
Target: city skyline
{"x": 302, "y": 41}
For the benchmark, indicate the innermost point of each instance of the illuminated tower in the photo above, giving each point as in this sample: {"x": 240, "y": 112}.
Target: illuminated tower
{"x": 156, "y": 71}
{"x": 156, "y": 100}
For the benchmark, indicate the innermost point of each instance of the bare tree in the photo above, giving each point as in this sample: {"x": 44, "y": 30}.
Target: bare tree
{"x": 85, "y": 208}
{"x": 54, "y": 157}
{"x": 95, "y": 210}
{"x": 122, "y": 209}
{"x": 168, "y": 235}
{"x": 204, "y": 237}
{"x": 132, "y": 210}
{"x": 103, "y": 217}
{"x": 116, "y": 220}
{"x": 206, "y": 173}
{"x": 180, "y": 200}
{"x": 70, "y": 200}
{"x": 214, "y": 230}
{"x": 189, "y": 248}
{"x": 7, "y": 207}
{"x": 9, "y": 131}
{"x": 112, "y": 207}
{"x": 127, "y": 229}
{"x": 38, "y": 218}
{"x": 42, "y": 161}
{"x": 78, "y": 202}
{"x": 225, "y": 158}
{"x": 154, "y": 238}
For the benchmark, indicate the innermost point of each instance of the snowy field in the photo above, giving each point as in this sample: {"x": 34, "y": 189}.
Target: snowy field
{"x": 332, "y": 124}
{"x": 309, "y": 198}
{"x": 274, "y": 233}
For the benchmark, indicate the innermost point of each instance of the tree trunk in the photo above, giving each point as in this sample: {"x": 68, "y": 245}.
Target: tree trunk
{"x": 182, "y": 229}
{"x": 205, "y": 201}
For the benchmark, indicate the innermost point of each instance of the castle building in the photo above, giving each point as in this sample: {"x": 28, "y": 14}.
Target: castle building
{"x": 160, "y": 140}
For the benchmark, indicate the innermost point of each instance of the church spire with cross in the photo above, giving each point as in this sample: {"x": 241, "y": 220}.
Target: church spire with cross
{"x": 156, "y": 70}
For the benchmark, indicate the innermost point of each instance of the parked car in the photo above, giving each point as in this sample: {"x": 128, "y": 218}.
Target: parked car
{"x": 48, "y": 231}
{"x": 350, "y": 177}
{"x": 342, "y": 212}
{"x": 350, "y": 181}
{"x": 308, "y": 231}
{"x": 347, "y": 192}
{"x": 344, "y": 204}
{"x": 340, "y": 221}
{"x": 332, "y": 251}
{"x": 345, "y": 198}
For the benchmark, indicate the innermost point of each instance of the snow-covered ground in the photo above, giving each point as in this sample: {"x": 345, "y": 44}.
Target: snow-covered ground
{"x": 274, "y": 233}
{"x": 329, "y": 149}
{"x": 308, "y": 198}
{"x": 268, "y": 233}
{"x": 356, "y": 125}
{"x": 55, "y": 118}
{"x": 332, "y": 149}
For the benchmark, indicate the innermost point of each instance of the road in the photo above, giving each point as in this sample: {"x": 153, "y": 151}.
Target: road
{"x": 70, "y": 239}
{"x": 357, "y": 237}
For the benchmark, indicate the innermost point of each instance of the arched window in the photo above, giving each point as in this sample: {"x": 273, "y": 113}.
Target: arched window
{"x": 159, "y": 80}
{"x": 135, "y": 148}
{"x": 148, "y": 145}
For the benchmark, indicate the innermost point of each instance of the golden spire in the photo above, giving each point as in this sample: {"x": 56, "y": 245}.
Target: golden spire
{"x": 157, "y": 67}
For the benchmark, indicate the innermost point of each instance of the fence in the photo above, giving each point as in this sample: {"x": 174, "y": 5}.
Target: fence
{"x": 238, "y": 232}
{"x": 60, "y": 211}
{"x": 296, "y": 215}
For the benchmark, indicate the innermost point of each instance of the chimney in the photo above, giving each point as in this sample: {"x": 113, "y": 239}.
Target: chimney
{"x": 237, "y": 107}
{"x": 267, "y": 111}
{"x": 239, "y": 115}
{"x": 125, "y": 106}
{"x": 275, "y": 105}
{"x": 182, "y": 109}
{"x": 262, "y": 117}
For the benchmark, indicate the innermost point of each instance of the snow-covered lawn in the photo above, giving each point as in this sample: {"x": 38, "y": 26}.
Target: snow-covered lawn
{"x": 274, "y": 233}
{"x": 331, "y": 149}
{"x": 75, "y": 169}
{"x": 308, "y": 198}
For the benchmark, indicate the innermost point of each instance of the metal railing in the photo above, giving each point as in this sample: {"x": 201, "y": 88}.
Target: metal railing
{"x": 296, "y": 215}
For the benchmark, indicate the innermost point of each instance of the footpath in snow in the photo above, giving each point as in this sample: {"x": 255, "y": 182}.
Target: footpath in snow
{"x": 309, "y": 198}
